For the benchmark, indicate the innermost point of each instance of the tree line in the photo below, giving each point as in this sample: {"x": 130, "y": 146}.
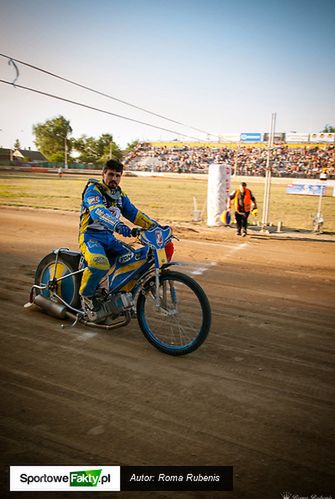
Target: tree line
{"x": 54, "y": 140}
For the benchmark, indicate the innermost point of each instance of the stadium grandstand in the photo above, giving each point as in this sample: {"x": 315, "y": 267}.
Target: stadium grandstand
{"x": 305, "y": 160}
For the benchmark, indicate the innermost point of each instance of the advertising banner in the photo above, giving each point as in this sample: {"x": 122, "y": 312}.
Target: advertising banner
{"x": 278, "y": 137}
{"x": 307, "y": 189}
{"x": 296, "y": 138}
{"x": 250, "y": 137}
{"x": 322, "y": 138}
{"x": 229, "y": 137}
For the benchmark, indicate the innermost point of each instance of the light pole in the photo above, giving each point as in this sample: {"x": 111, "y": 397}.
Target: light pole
{"x": 236, "y": 157}
{"x": 111, "y": 148}
{"x": 65, "y": 151}
{"x": 66, "y": 148}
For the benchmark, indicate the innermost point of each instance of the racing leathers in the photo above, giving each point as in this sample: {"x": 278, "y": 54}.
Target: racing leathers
{"x": 99, "y": 219}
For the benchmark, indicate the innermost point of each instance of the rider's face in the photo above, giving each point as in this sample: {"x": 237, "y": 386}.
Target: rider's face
{"x": 111, "y": 178}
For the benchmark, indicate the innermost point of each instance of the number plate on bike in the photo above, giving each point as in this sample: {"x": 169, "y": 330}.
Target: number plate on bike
{"x": 161, "y": 256}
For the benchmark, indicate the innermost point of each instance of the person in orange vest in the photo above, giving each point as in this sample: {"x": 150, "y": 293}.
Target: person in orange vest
{"x": 243, "y": 201}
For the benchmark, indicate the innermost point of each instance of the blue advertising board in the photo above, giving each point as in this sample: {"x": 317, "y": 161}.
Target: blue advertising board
{"x": 250, "y": 137}
{"x": 309, "y": 189}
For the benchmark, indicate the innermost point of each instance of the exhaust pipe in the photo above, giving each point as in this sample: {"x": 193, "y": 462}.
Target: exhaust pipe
{"x": 60, "y": 311}
{"x": 50, "y": 307}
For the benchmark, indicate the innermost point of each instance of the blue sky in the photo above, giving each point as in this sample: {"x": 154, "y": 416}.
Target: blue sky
{"x": 218, "y": 65}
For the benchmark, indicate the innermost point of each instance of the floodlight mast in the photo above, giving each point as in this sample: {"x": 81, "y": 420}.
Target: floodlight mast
{"x": 267, "y": 184}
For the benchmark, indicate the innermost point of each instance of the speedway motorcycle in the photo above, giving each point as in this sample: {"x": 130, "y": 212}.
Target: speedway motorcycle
{"x": 172, "y": 310}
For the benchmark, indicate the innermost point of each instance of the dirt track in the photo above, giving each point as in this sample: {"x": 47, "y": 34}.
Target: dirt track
{"x": 258, "y": 395}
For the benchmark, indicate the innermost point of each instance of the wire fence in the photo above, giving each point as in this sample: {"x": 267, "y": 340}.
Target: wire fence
{"x": 51, "y": 165}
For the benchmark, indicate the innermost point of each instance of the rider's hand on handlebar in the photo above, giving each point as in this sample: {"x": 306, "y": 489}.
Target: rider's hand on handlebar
{"x": 135, "y": 232}
{"x": 123, "y": 229}
{"x": 154, "y": 225}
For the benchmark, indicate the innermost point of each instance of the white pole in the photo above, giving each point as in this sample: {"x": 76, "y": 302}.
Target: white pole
{"x": 65, "y": 152}
{"x": 236, "y": 158}
{"x": 267, "y": 185}
{"x": 111, "y": 149}
{"x": 320, "y": 202}
{"x": 318, "y": 221}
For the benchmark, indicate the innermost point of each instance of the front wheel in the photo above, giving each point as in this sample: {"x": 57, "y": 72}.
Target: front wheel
{"x": 182, "y": 321}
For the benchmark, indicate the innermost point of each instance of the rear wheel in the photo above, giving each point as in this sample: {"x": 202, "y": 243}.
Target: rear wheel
{"x": 182, "y": 321}
{"x": 68, "y": 288}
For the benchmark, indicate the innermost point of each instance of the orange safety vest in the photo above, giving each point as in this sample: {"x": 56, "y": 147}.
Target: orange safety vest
{"x": 246, "y": 200}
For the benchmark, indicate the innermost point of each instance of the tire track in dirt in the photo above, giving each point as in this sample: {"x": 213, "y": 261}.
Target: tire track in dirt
{"x": 258, "y": 394}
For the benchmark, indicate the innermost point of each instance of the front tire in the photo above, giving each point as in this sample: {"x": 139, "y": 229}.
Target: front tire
{"x": 182, "y": 322}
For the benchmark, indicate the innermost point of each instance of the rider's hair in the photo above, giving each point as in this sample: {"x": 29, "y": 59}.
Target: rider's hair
{"x": 113, "y": 164}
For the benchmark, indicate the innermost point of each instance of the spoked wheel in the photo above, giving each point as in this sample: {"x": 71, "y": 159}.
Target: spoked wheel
{"x": 182, "y": 321}
{"x": 67, "y": 288}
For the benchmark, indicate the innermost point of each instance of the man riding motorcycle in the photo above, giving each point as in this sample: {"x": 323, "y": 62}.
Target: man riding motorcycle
{"x": 102, "y": 204}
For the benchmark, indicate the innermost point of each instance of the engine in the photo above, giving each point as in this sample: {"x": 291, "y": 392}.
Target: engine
{"x": 115, "y": 305}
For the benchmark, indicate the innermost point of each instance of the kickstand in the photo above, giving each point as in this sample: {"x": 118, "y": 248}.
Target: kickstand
{"x": 78, "y": 316}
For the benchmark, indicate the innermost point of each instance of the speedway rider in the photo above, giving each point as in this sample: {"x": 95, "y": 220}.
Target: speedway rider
{"x": 103, "y": 203}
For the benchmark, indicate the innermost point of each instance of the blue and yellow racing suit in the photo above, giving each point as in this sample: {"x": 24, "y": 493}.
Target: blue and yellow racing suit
{"x": 100, "y": 214}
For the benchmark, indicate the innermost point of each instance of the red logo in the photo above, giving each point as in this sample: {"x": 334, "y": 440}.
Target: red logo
{"x": 159, "y": 238}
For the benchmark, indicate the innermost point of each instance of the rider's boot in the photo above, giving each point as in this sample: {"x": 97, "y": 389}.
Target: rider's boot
{"x": 90, "y": 306}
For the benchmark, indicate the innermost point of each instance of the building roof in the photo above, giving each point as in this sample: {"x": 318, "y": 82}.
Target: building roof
{"x": 19, "y": 154}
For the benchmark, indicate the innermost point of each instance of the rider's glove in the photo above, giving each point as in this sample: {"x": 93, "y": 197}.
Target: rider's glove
{"x": 135, "y": 231}
{"x": 154, "y": 225}
{"x": 123, "y": 230}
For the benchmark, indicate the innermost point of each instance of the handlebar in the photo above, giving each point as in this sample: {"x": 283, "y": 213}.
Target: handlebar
{"x": 136, "y": 231}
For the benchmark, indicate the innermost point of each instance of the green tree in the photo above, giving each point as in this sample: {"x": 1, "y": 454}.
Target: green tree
{"x": 130, "y": 147}
{"x": 108, "y": 148}
{"x": 87, "y": 148}
{"x": 96, "y": 151}
{"x": 328, "y": 129}
{"x": 17, "y": 144}
{"x": 52, "y": 138}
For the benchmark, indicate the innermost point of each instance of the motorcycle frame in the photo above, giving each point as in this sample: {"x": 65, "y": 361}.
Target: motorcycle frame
{"x": 153, "y": 271}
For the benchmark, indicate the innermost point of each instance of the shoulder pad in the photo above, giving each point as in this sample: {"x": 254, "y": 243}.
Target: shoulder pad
{"x": 91, "y": 181}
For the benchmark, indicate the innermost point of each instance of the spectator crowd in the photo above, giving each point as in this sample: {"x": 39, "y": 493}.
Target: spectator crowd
{"x": 303, "y": 161}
